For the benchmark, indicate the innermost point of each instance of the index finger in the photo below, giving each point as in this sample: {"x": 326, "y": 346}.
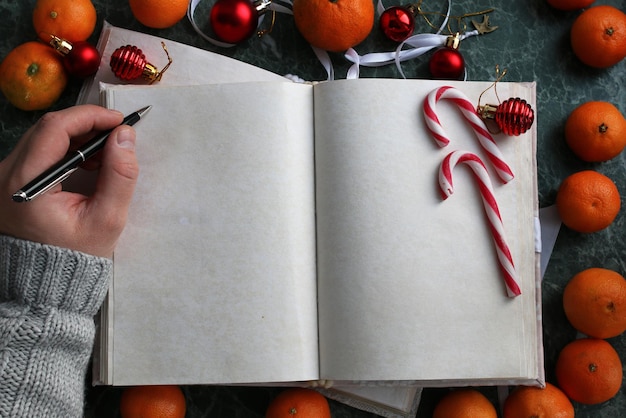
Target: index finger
{"x": 49, "y": 139}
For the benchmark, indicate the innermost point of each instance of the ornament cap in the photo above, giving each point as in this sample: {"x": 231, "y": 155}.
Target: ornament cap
{"x": 413, "y": 9}
{"x": 151, "y": 73}
{"x": 487, "y": 111}
{"x": 60, "y": 45}
{"x": 453, "y": 41}
{"x": 262, "y": 6}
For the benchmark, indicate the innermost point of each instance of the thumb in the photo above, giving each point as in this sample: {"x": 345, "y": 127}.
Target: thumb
{"x": 117, "y": 178}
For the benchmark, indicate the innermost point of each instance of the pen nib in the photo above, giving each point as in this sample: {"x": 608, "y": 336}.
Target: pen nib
{"x": 143, "y": 111}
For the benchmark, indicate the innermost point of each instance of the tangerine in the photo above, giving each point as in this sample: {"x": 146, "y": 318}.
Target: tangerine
{"x": 72, "y": 20}
{"x": 598, "y": 36}
{"x": 334, "y": 25}
{"x": 32, "y": 76}
{"x": 159, "y": 14}
{"x": 589, "y": 371}
{"x": 535, "y": 402}
{"x": 594, "y": 301}
{"x": 569, "y": 5}
{"x": 596, "y": 131}
{"x": 464, "y": 403}
{"x": 588, "y": 201}
{"x": 160, "y": 401}
{"x": 298, "y": 403}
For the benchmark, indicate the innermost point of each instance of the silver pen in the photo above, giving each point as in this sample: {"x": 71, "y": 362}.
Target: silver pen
{"x": 64, "y": 168}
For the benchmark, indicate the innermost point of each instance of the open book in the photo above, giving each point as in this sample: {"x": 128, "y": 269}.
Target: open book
{"x": 288, "y": 232}
{"x": 254, "y": 197}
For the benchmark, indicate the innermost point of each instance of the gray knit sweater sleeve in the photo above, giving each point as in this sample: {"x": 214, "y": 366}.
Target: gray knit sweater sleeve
{"x": 48, "y": 297}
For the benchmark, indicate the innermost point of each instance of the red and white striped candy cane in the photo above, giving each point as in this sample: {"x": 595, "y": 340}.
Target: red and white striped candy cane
{"x": 478, "y": 125}
{"x": 491, "y": 209}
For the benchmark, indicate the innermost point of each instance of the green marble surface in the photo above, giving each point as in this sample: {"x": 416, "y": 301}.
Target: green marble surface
{"x": 532, "y": 42}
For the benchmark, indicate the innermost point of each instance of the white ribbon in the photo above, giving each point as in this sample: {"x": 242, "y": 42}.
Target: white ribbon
{"x": 324, "y": 58}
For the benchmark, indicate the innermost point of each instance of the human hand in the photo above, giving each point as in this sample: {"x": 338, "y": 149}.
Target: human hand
{"x": 91, "y": 224}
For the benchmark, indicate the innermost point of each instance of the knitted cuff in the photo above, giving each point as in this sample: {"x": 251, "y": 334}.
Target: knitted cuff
{"x": 42, "y": 275}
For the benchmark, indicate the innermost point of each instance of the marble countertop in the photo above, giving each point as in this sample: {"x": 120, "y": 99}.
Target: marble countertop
{"x": 532, "y": 42}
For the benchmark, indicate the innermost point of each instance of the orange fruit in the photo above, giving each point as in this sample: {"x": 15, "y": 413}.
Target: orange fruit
{"x": 158, "y": 14}
{"x": 596, "y": 131}
{"x": 594, "y": 301}
{"x": 534, "y": 402}
{"x": 72, "y": 20}
{"x": 166, "y": 401}
{"x": 598, "y": 36}
{"x": 298, "y": 403}
{"x": 587, "y": 201}
{"x": 589, "y": 371}
{"x": 32, "y": 76}
{"x": 570, "y": 4}
{"x": 464, "y": 403}
{"x": 334, "y": 25}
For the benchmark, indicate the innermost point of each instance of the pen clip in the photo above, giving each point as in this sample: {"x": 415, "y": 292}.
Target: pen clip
{"x": 53, "y": 183}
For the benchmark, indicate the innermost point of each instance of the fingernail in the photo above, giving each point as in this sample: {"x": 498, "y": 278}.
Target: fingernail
{"x": 126, "y": 137}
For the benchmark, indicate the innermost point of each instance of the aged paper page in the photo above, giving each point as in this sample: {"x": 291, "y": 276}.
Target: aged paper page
{"x": 409, "y": 284}
{"x": 214, "y": 277}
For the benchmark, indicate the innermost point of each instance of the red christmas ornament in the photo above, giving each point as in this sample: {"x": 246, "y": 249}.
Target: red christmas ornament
{"x": 398, "y": 22}
{"x": 129, "y": 62}
{"x": 513, "y": 116}
{"x": 80, "y": 59}
{"x": 447, "y": 62}
{"x": 234, "y": 21}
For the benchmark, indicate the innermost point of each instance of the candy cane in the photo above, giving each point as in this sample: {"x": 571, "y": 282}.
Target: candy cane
{"x": 491, "y": 209}
{"x": 478, "y": 125}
